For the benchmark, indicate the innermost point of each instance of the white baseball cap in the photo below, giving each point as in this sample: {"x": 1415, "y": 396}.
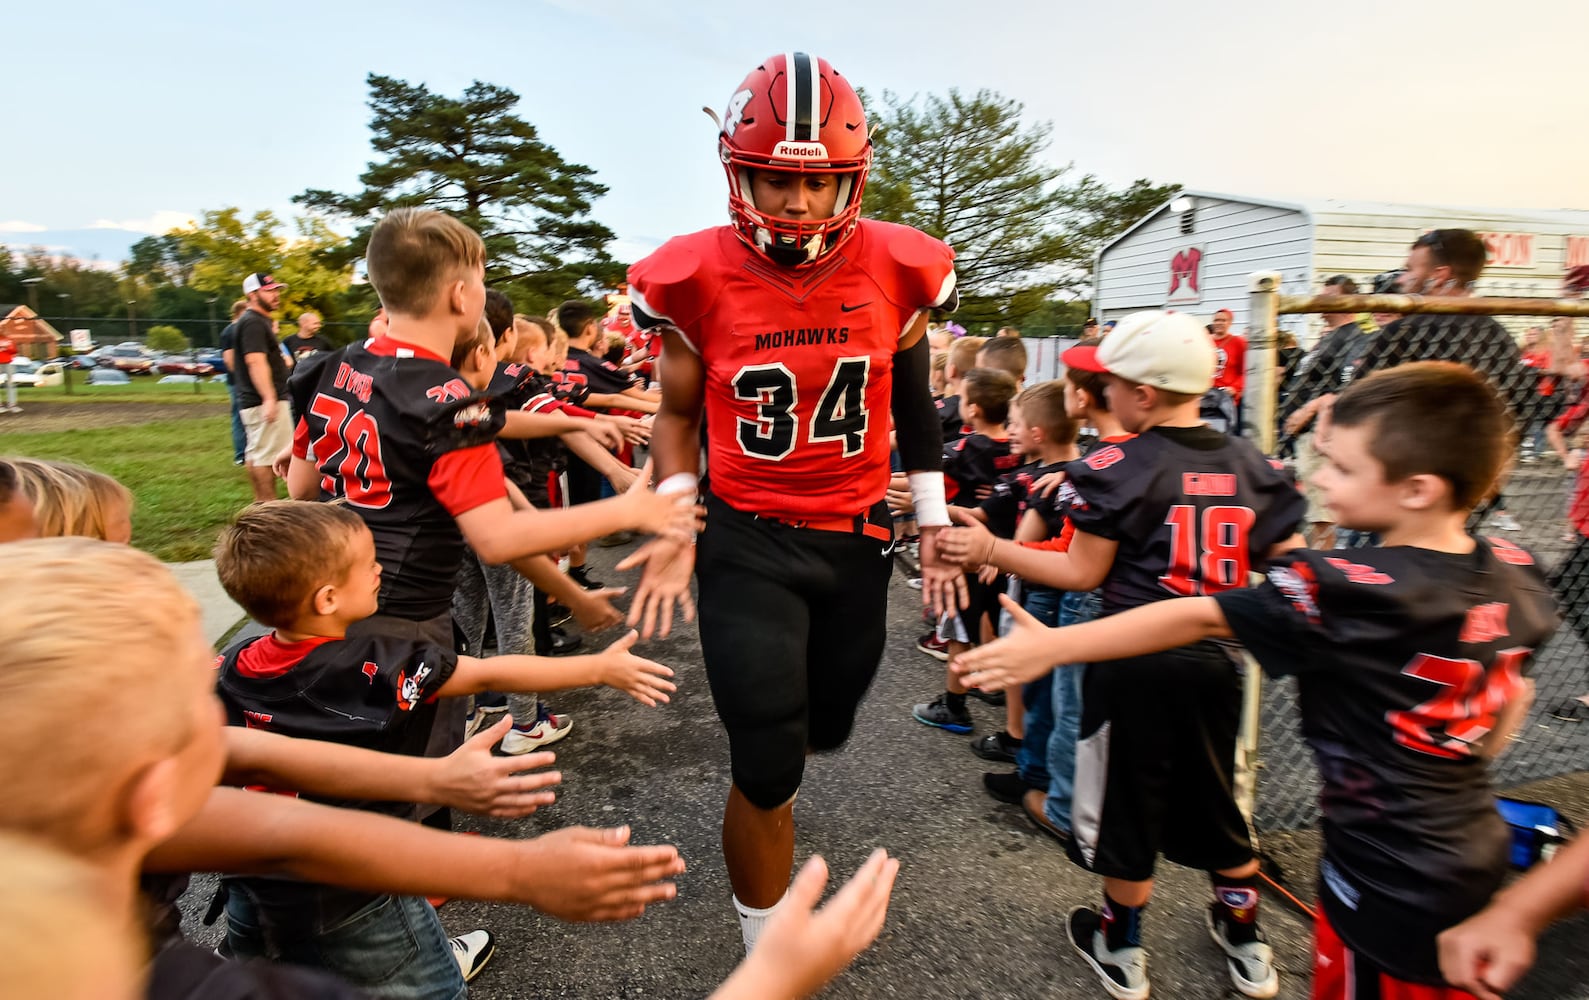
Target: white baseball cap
{"x": 1167, "y": 350}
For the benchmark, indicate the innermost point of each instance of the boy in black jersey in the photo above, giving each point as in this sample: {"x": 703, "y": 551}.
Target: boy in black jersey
{"x": 972, "y": 466}
{"x": 1410, "y": 658}
{"x": 309, "y": 570}
{"x": 1044, "y": 434}
{"x": 1179, "y": 509}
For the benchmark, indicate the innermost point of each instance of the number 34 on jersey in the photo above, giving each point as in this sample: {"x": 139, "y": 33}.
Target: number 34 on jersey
{"x": 781, "y": 423}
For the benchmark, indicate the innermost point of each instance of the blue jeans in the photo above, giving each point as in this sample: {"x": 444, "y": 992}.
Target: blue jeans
{"x": 239, "y": 436}
{"x": 1065, "y": 706}
{"x": 393, "y": 948}
{"x": 1031, "y": 761}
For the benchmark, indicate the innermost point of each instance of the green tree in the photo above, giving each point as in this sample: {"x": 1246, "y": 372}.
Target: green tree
{"x": 227, "y": 247}
{"x": 166, "y": 339}
{"x": 474, "y": 158}
{"x": 969, "y": 171}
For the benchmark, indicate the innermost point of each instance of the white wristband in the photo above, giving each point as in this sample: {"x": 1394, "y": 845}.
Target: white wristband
{"x": 926, "y": 492}
{"x": 680, "y": 482}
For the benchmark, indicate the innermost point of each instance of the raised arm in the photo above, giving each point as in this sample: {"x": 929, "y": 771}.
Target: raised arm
{"x": 575, "y": 874}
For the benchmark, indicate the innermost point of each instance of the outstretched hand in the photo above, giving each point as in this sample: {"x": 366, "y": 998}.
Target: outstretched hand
{"x": 588, "y": 874}
{"x": 664, "y": 585}
{"x": 943, "y": 585}
{"x": 801, "y": 947}
{"x": 471, "y": 778}
{"x": 643, "y": 680}
{"x": 967, "y": 545}
{"x": 1023, "y": 654}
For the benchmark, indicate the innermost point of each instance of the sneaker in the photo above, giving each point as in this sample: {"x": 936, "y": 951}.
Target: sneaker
{"x": 1006, "y": 786}
{"x": 914, "y": 583}
{"x": 579, "y": 575}
{"x": 994, "y": 698}
{"x": 560, "y": 614}
{"x": 473, "y": 951}
{"x": 1035, "y": 804}
{"x": 933, "y": 646}
{"x": 483, "y": 717}
{"x": 1251, "y": 964}
{"x": 1124, "y": 973}
{"x": 561, "y": 643}
{"x": 999, "y": 747}
{"x": 938, "y": 713}
{"x": 615, "y": 539}
{"x": 547, "y": 729}
{"x": 1504, "y": 522}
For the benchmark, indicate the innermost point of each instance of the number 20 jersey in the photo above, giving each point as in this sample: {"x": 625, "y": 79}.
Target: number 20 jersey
{"x": 798, "y": 361}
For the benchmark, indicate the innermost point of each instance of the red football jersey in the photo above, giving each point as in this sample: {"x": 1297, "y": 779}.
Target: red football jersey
{"x": 799, "y": 362}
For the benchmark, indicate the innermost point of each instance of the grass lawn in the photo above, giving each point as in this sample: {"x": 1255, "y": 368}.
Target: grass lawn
{"x": 142, "y": 389}
{"x": 181, "y": 472}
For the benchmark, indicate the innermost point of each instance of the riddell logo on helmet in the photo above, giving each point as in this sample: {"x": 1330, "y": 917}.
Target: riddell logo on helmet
{"x": 801, "y": 150}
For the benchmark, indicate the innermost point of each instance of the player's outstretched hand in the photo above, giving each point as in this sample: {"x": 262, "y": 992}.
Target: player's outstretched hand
{"x": 943, "y": 586}
{"x": 593, "y": 609}
{"x": 801, "y": 948}
{"x": 1486, "y": 953}
{"x": 646, "y": 681}
{"x": 664, "y": 585}
{"x": 584, "y": 874}
{"x": 966, "y": 545}
{"x": 472, "y": 779}
{"x": 1024, "y": 654}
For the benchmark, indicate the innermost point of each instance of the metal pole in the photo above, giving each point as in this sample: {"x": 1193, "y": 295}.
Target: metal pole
{"x": 1264, "y": 293}
{"x": 66, "y": 369}
{"x": 1262, "y": 389}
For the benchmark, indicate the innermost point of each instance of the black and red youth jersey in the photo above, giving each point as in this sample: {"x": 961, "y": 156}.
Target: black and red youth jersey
{"x": 531, "y": 462}
{"x": 1012, "y": 496}
{"x": 954, "y": 428}
{"x": 1404, "y": 657}
{"x": 1193, "y": 511}
{"x": 973, "y": 462}
{"x": 593, "y": 374}
{"x": 376, "y": 692}
{"x": 398, "y": 433}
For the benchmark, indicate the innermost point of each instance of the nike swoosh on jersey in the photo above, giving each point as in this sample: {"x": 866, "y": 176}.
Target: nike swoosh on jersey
{"x": 849, "y": 308}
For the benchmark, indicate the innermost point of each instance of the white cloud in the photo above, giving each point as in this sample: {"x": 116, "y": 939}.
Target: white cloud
{"x": 18, "y": 226}
{"x": 160, "y": 222}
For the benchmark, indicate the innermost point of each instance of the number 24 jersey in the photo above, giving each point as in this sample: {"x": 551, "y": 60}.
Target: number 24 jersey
{"x": 798, "y": 361}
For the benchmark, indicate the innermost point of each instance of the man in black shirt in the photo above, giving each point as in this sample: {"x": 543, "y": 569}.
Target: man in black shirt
{"x": 261, "y": 383}
{"x": 229, "y": 360}
{"x": 307, "y": 340}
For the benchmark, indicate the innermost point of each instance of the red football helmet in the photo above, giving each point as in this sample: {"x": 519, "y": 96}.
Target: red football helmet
{"x": 795, "y": 113}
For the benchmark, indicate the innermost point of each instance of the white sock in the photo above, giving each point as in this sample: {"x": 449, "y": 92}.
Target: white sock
{"x": 751, "y": 921}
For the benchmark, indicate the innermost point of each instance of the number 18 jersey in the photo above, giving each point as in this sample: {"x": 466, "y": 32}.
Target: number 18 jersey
{"x": 1193, "y": 511}
{"x": 799, "y": 362}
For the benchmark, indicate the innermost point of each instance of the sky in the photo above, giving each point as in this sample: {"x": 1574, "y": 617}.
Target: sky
{"x": 128, "y": 119}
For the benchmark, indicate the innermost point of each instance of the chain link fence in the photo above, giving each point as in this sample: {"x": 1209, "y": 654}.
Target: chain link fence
{"x": 1545, "y": 385}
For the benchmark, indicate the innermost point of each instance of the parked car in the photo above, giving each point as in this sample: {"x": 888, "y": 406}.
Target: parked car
{"x": 108, "y": 376}
{"x": 51, "y": 373}
{"x": 23, "y": 372}
{"x": 212, "y": 357}
{"x": 130, "y": 358}
{"x": 82, "y": 362}
{"x": 182, "y": 364}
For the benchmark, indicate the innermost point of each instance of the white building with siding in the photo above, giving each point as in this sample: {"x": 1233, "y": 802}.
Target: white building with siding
{"x": 1195, "y": 252}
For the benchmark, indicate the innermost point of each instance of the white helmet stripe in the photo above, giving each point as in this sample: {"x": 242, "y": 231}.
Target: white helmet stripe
{"x": 791, "y": 95}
